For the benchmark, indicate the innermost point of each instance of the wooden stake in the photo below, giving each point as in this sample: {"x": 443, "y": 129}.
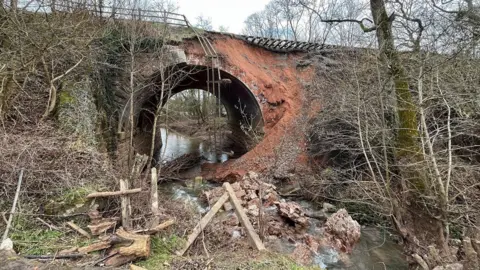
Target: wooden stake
{"x": 203, "y": 223}
{"x": 125, "y": 203}
{"x": 78, "y": 229}
{"x": 154, "y": 198}
{"x": 243, "y": 218}
{"x": 114, "y": 193}
{"x": 14, "y": 205}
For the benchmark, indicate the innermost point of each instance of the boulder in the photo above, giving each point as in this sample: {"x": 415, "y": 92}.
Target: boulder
{"x": 342, "y": 230}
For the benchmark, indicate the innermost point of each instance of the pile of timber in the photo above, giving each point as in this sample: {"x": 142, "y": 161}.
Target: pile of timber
{"x": 121, "y": 246}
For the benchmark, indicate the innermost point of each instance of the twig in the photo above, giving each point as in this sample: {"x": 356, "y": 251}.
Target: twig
{"x": 52, "y": 227}
{"x": 12, "y": 212}
{"x": 51, "y": 257}
{"x": 78, "y": 229}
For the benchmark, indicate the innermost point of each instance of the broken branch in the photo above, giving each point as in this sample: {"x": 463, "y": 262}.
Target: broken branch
{"x": 114, "y": 193}
{"x": 14, "y": 205}
{"x": 78, "y": 229}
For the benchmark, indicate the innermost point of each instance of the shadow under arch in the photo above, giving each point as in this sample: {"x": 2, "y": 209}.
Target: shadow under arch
{"x": 244, "y": 113}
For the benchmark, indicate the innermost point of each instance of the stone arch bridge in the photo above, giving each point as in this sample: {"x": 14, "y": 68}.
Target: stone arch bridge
{"x": 261, "y": 85}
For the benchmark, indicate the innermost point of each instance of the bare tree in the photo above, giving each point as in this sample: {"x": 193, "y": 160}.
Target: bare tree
{"x": 204, "y": 23}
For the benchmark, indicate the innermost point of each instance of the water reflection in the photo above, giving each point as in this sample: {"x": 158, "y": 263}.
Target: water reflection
{"x": 375, "y": 251}
{"x": 176, "y": 145}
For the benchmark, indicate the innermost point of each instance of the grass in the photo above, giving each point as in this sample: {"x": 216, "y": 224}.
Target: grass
{"x": 162, "y": 250}
{"x": 34, "y": 239}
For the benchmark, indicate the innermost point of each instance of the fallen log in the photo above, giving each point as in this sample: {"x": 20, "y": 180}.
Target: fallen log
{"x": 139, "y": 248}
{"x": 113, "y": 193}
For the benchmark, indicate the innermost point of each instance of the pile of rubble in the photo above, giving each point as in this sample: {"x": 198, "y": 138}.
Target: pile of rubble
{"x": 287, "y": 219}
{"x": 255, "y": 194}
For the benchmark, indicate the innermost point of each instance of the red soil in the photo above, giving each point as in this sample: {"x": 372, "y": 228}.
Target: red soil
{"x": 274, "y": 77}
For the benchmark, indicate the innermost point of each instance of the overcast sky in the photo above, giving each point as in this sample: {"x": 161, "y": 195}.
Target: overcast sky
{"x": 230, "y": 13}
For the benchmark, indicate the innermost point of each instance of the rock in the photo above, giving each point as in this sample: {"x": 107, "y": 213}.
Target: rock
{"x": 302, "y": 254}
{"x": 343, "y": 231}
{"x": 236, "y": 186}
{"x": 232, "y": 220}
{"x": 329, "y": 208}
{"x": 294, "y": 212}
{"x": 453, "y": 266}
{"x": 253, "y": 210}
{"x": 212, "y": 196}
{"x": 320, "y": 215}
{"x": 236, "y": 234}
{"x": 7, "y": 245}
{"x": 274, "y": 228}
{"x": 240, "y": 194}
{"x": 251, "y": 176}
{"x": 227, "y": 206}
{"x": 311, "y": 242}
{"x": 270, "y": 199}
{"x": 250, "y": 195}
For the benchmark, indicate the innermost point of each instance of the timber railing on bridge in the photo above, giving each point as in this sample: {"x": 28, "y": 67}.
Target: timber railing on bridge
{"x": 98, "y": 9}
{"x": 123, "y": 12}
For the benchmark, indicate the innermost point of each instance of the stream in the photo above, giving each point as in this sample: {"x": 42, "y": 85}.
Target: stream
{"x": 376, "y": 249}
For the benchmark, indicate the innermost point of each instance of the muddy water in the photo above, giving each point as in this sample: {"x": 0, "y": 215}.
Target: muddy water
{"x": 176, "y": 145}
{"x": 376, "y": 250}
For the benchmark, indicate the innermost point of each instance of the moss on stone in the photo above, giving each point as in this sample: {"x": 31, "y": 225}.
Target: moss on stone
{"x": 77, "y": 113}
{"x": 69, "y": 202}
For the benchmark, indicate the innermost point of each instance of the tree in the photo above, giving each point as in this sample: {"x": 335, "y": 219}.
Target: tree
{"x": 223, "y": 28}
{"x": 204, "y": 23}
{"x": 415, "y": 172}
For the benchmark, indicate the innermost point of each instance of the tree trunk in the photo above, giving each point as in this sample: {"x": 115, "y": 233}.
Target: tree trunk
{"x": 407, "y": 148}
{"x": 14, "y": 5}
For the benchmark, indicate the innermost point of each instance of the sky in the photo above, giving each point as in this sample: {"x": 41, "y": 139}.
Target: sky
{"x": 229, "y": 13}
